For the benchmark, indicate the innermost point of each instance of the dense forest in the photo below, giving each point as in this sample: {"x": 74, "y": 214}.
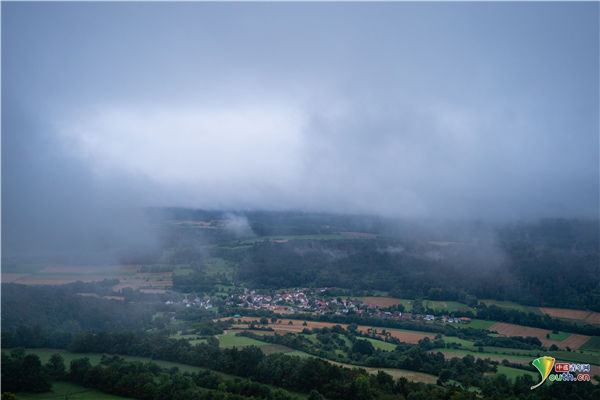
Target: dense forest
{"x": 550, "y": 262}
{"x": 553, "y": 263}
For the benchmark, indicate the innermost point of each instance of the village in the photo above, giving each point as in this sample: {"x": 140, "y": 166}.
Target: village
{"x": 312, "y": 301}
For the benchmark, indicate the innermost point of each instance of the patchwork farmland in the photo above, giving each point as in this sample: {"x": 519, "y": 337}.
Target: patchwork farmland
{"x": 573, "y": 341}
{"x": 297, "y": 326}
{"x": 129, "y": 276}
{"x": 229, "y": 339}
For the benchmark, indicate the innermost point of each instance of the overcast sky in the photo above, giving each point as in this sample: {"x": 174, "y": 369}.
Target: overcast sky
{"x": 469, "y": 110}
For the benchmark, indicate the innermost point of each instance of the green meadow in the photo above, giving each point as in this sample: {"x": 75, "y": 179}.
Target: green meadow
{"x": 512, "y": 305}
{"x": 95, "y": 358}
{"x": 66, "y": 390}
{"x": 513, "y": 373}
{"x": 381, "y": 345}
{"x": 230, "y": 339}
{"x": 476, "y": 324}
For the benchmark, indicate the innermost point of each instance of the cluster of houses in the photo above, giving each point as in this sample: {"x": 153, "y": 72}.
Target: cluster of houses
{"x": 460, "y": 320}
{"x": 198, "y": 302}
{"x": 311, "y": 301}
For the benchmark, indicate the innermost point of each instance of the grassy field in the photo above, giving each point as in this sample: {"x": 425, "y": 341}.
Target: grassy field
{"x": 560, "y": 336}
{"x": 512, "y": 305}
{"x": 298, "y": 353}
{"x": 193, "y": 339}
{"x": 312, "y": 337}
{"x": 438, "y": 306}
{"x": 407, "y": 303}
{"x": 230, "y": 339}
{"x": 462, "y": 342}
{"x": 381, "y": 345}
{"x": 378, "y": 344}
{"x": 476, "y": 324}
{"x": 65, "y": 390}
{"x": 222, "y": 290}
{"x": 575, "y": 356}
{"x": 446, "y": 306}
{"x": 593, "y": 344}
{"x": 513, "y": 373}
{"x": 219, "y": 266}
{"x": 278, "y": 348}
{"x": 95, "y": 358}
{"x": 182, "y": 271}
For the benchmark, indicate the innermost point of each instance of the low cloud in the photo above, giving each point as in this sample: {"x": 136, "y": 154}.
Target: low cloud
{"x": 402, "y": 110}
{"x": 238, "y": 225}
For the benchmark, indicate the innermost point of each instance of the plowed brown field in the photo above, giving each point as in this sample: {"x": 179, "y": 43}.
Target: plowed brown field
{"x": 518, "y": 330}
{"x": 574, "y": 341}
{"x": 594, "y": 318}
{"x": 564, "y": 313}
{"x": 382, "y": 301}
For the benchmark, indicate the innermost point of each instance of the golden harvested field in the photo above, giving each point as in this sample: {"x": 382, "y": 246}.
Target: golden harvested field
{"x": 564, "y": 313}
{"x": 382, "y": 301}
{"x": 403, "y": 336}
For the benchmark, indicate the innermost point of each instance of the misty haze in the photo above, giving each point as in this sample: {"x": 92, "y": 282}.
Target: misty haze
{"x": 300, "y": 200}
